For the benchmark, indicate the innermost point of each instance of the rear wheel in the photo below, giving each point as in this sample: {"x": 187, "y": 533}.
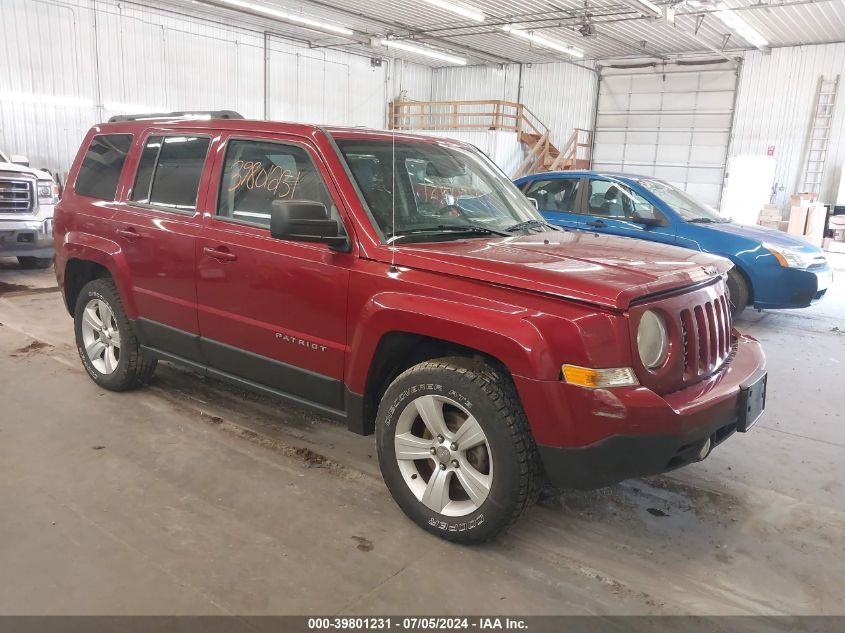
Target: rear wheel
{"x": 738, "y": 292}
{"x": 35, "y": 262}
{"x": 106, "y": 342}
{"x": 455, "y": 449}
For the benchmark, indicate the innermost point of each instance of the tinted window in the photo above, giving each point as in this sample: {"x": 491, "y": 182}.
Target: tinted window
{"x": 146, "y": 167}
{"x": 101, "y": 166}
{"x": 257, "y": 173}
{"x": 558, "y": 194}
{"x": 177, "y": 174}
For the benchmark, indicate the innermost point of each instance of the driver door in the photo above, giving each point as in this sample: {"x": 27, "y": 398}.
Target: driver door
{"x": 610, "y": 207}
{"x": 271, "y": 311}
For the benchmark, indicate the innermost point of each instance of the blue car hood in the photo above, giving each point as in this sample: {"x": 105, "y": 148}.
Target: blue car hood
{"x": 763, "y": 234}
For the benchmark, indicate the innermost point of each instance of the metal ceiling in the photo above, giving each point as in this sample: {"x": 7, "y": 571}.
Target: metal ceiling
{"x": 622, "y": 29}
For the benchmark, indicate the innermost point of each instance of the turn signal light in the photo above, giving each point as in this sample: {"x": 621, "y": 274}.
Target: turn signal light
{"x": 598, "y": 378}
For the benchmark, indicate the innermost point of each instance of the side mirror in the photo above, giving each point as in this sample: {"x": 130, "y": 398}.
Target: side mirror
{"x": 305, "y": 221}
{"x": 17, "y": 159}
{"x": 646, "y": 220}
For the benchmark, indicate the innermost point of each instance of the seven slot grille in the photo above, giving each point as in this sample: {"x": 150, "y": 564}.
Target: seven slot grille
{"x": 706, "y": 330}
{"x": 16, "y": 196}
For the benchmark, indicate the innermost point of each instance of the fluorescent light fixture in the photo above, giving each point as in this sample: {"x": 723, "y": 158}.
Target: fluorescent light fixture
{"x": 29, "y": 97}
{"x": 747, "y": 32}
{"x": 424, "y": 50}
{"x": 458, "y": 8}
{"x": 542, "y": 41}
{"x": 648, "y": 4}
{"x": 289, "y": 17}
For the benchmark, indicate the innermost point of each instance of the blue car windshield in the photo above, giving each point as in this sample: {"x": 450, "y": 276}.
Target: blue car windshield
{"x": 684, "y": 205}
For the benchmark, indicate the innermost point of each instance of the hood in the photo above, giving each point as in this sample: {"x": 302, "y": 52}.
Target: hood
{"x": 20, "y": 169}
{"x": 763, "y": 234}
{"x": 600, "y": 269}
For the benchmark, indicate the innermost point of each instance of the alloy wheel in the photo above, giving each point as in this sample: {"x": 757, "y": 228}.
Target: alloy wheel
{"x": 100, "y": 336}
{"x": 443, "y": 455}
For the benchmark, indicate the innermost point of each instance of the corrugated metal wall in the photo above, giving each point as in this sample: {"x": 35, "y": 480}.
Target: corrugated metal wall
{"x": 68, "y": 64}
{"x": 774, "y": 103}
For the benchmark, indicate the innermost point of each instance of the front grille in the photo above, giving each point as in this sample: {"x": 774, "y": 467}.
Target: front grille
{"x": 16, "y": 196}
{"x": 706, "y": 330}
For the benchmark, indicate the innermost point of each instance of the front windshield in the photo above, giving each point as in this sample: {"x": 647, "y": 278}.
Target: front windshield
{"x": 684, "y": 205}
{"x": 434, "y": 191}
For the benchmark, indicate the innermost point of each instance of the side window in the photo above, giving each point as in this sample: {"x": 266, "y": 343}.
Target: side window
{"x": 557, "y": 194}
{"x": 605, "y": 199}
{"x": 256, "y": 173}
{"x": 169, "y": 171}
{"x": 101, "y": 167}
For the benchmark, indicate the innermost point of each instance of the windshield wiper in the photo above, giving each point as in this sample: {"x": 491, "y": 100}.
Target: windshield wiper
{"x": 446, "y": 229}
{"x": 530, "y": 224}
{"x": 701, "y": 221}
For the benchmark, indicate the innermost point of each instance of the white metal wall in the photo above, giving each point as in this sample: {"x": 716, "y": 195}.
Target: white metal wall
{"x": 774, "y": 104}
{"x": 68, "y": 64}
{"x": 672, "y": 123}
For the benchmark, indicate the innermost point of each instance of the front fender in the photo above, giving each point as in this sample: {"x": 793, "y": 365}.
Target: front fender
{"x": 107, "y": 253}
{"x": 478, "y": 327}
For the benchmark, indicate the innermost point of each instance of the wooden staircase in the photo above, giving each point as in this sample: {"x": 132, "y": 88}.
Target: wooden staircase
{"x": 541, "y": 153}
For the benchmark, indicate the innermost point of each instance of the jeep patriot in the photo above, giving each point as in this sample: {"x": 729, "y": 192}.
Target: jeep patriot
{"x": 402, "y": 285}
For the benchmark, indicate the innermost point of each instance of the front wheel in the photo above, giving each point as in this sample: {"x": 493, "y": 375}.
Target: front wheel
{"x": 107, "y": 345}
{"x": 738, "y": 292}
{"x": 455, "y": 449}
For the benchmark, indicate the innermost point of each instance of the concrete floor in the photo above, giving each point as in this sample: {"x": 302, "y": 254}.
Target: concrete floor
{"x": 193, "y": 498}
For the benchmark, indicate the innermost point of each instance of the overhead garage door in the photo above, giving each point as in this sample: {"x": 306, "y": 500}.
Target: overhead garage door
{"x": 671, "y": 122}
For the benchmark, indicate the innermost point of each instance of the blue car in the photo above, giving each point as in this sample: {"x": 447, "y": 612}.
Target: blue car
{"x": 772, "y": 269}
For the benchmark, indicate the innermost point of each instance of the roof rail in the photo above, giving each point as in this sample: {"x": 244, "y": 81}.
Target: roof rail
{"x": 194, "y": 114}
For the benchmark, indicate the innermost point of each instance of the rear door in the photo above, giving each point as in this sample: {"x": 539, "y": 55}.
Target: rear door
{"x": 610, "y": 206}
{"x": 272, "y": 312}
{"x": 558, "y": 199}
{"x": 157, "y": 226}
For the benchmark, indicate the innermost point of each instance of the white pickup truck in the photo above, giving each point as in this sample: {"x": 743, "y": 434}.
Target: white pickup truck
{"x": 27, "y": 199}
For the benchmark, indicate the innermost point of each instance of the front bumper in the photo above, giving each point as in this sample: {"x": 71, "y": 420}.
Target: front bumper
{"x": 793, "y": 287}
{"x": 615, "y": 434}
{"x": 26, "y": 238}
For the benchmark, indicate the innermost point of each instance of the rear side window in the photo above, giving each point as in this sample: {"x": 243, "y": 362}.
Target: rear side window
{"x": 101, "y": 167}
{"x": 256, "y": 173}
{"x": 169, "y": 171}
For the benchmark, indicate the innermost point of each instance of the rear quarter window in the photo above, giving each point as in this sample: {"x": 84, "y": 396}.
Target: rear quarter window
{"x": 101, "y": 167}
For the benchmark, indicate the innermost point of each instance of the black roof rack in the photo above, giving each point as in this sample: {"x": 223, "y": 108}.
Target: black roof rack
{"x": 213, "y": 114}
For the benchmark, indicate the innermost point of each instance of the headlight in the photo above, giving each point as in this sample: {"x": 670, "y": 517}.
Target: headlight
{"x": 48, "y": 192}
{"x": 652, "y": 339}
{"x": 790, "y": 257}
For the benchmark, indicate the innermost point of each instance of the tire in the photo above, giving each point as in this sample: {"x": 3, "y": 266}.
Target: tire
{"x": 31, "y": 263}
{"x": 738, "y": 292}
{"x": 116, "y": 361}
{"x": 501, "y": 470}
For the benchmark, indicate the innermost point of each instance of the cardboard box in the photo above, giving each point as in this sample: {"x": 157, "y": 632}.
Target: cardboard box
{"x": 797, "y": 220}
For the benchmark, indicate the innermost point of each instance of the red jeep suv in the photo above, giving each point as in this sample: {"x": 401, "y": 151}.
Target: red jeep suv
{"x": 403, "y": 285}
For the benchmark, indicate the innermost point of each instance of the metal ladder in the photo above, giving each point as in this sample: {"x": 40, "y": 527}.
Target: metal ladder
{"x": 818, "y": 137}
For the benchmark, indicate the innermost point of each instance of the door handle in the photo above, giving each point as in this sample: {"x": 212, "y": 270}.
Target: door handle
{"x": 596, "y": 223}
{"x": 129, "y": 233}
{"x": 219, "y": 254}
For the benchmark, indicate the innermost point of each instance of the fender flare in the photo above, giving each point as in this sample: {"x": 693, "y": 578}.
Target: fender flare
{"x": 476, "y": 327}
{"x": 109, "y": 255}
